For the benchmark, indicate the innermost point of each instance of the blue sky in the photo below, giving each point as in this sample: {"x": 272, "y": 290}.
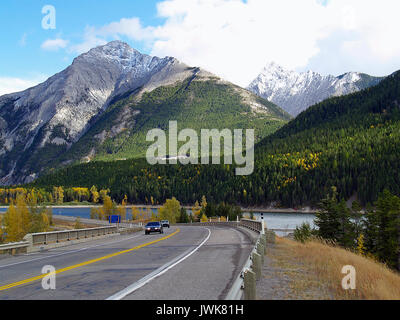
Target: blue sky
{"x": 234, "y": 39}
{"x": 22, "y": 33}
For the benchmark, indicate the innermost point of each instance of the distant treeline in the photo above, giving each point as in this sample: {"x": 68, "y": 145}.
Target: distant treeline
{"x": 54, "y": 195}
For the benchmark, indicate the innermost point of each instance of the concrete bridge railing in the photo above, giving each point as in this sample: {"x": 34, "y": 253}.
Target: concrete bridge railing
{"x": 46, "y": 240}
{"x": 14, "y": 247}
{"x": 253, "y": 225}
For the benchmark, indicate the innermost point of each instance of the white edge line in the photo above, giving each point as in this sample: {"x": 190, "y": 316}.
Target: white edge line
{"x": 160, "y": 271}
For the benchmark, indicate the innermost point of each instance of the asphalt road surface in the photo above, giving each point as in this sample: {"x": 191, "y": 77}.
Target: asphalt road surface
{"x": 184, "y": 263}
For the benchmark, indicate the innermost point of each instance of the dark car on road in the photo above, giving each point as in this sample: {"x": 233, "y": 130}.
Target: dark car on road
{"x": 153, "y": 227}
{"x": 165, "y": 223}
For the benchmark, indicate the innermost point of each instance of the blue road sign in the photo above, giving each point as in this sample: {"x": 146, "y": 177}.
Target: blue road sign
{"x": 115, "y": 219}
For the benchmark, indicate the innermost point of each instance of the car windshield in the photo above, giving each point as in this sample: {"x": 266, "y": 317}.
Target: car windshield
{"x": 153, "y": 224}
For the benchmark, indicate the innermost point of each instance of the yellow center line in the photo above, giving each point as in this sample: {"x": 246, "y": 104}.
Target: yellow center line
{"x": 22, "y": 282}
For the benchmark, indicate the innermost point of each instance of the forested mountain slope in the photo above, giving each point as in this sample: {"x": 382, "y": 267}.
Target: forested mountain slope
{"x": 351, "y": 142}
{"x": 102, "y": 106}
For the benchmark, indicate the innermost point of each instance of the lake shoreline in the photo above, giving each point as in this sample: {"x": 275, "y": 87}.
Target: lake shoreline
{"x": 255, "y": 210}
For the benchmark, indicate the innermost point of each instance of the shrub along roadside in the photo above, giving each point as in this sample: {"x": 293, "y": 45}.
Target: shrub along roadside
{"x": 375, "y": 232}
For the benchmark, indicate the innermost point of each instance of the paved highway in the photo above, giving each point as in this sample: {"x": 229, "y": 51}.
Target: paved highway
{"x": 183, "y": 263}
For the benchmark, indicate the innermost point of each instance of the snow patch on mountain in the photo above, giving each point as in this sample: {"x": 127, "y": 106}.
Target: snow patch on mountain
{"x": 295, "y": 92}
{"x": 60, "y": 110}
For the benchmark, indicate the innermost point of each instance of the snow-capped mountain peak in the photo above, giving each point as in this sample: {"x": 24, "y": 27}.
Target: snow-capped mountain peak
{"x": 295, "y": 92}
{"x": 60, "y": 110}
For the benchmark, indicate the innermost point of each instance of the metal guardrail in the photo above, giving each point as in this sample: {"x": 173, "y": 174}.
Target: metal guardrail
{"x": 34, "y": 240}
{"x": 237, "y": 290}
{"x": 232, "y": 224}
{"x": 45, "y": 238}
{"x": 253, "y": 225}
{"x": 9, "y": 247}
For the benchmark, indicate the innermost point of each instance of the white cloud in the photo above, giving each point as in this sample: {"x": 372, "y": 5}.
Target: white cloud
{"x": 54, "y": 44}
{"x": 91, "y": 40}
{"x": 235, "y": 39}
{"x": 22, "y": 41}
{"x": 11, "y": 85}
{"x": 126, "y": 27}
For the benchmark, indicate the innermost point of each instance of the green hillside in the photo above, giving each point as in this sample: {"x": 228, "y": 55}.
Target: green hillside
{"x": 193, "y": 104}
{"x": 352, "y": 142}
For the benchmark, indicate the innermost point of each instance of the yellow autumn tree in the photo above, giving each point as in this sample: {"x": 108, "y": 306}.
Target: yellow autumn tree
{"x": 108, "y": 208}
{"x": 1, "y": 230}
{"x": 50, "y": 198}
{"x": 94, "y": 194}
{"x": 23, "y": 213}
{"x": 58, "y": 195}
{"x": 135, "y": 213}
{"x": 49, "y": 213}
{"x": 196, "y": 210}
{"x": 17, "y": 221}
{"x": 360, "y": 245}
{"x": 12, "y": 225}
{"x": 45, "y": 222}
{"x": 204, "y": 218}
{"x": 203, "y": 204}
{"x": 170, "y": 211}
{"x": 121, "y": 210}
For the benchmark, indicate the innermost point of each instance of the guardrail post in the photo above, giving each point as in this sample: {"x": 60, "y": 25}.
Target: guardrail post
{"x": 249, "y": 285}
{"x": 29, "y": 238}
{"x": 261, "y": 252}
{"x": 263, "y": 240}
{"x": 256, "y": 266}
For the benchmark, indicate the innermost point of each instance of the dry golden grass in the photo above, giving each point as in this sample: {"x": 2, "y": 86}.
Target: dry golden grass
{"x": 374, "y": 281}
{"x": 68, "y": 225}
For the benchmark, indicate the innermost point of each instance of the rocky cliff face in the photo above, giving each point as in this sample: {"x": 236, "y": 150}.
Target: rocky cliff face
{"x": 55, "y": 114}
{"x": 40, "y": 126}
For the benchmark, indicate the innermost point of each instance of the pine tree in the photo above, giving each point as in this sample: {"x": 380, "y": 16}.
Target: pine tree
{"x": 203, "y": 204}
{"x": 382, "y": 229}
{"x": 327, "y": 219}
{"x": 183, "y": 218}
